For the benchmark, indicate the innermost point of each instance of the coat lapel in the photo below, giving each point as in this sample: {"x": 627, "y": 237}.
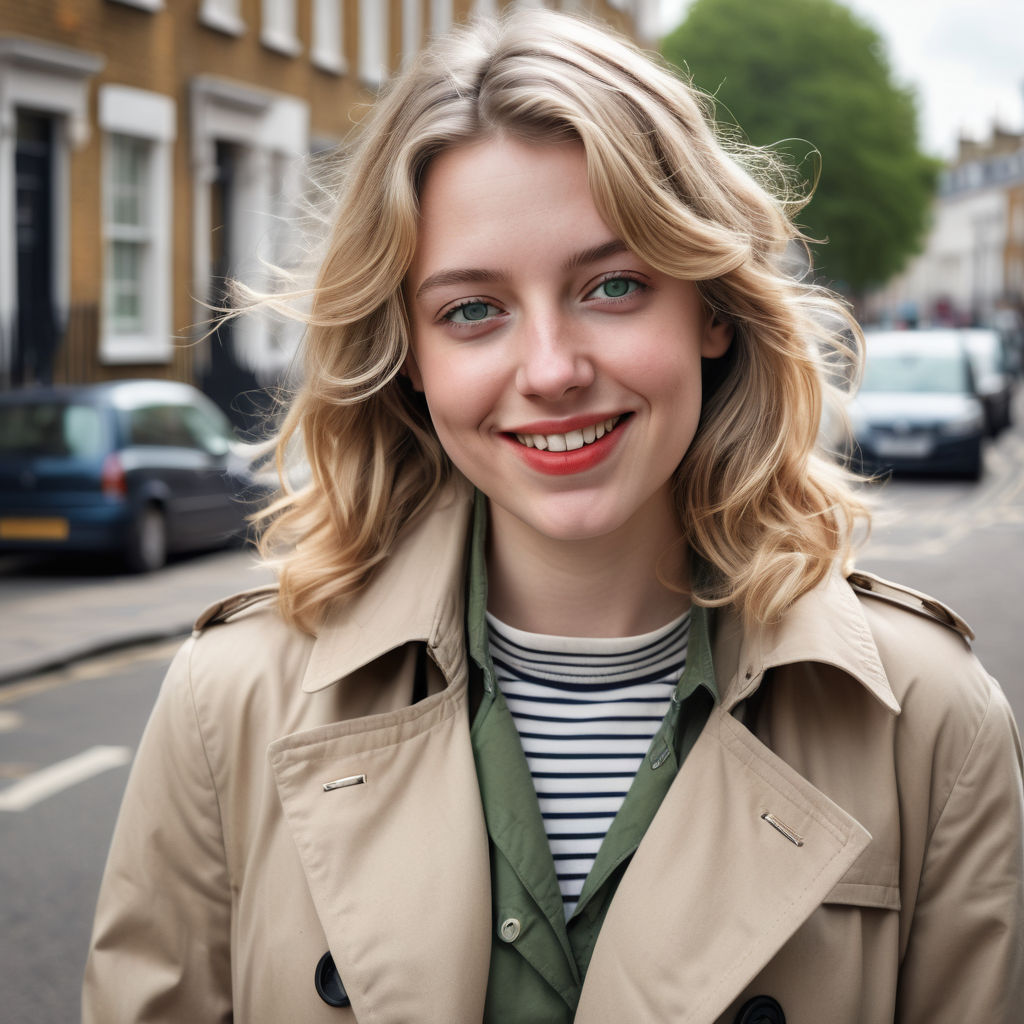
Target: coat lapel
{"x": 716, "y": 888}
{"x": 397, "y": 865}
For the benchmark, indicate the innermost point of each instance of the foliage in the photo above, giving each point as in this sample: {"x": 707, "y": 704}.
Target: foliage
{"x": 808, "y": 78}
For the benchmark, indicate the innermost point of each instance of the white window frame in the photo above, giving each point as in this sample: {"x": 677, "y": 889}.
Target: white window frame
{"x": 374, "y": 65}
{"x": 266, "y": 126}
{"x": 412, "y": 29}
{"x": 222, "y": 16}
{"x": 277, "y": 27}
{"x": 152, "y": 118}
{"x": 328, "y": 49}
{"x": 441, "y": 17}
{"x": 486, "y": 8}
{"x": 55, "y": 81}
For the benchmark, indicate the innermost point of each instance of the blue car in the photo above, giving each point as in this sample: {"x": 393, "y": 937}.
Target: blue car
{"x": 134, "y": 469}
{"x": 918, "y": 410}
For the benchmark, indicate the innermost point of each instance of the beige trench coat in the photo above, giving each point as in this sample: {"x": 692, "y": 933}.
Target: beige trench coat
{"x": 864, "y": 727}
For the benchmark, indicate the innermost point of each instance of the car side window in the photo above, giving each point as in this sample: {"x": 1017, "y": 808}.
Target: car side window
{"x": 160, "y": 425}
{"x": 207, "y": 431}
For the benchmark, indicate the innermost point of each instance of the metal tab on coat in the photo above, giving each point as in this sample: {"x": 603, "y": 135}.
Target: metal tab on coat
{"x": 349, "y": 780}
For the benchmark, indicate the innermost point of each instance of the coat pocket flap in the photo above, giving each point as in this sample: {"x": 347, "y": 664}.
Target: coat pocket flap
{"x": 864, "y": 894}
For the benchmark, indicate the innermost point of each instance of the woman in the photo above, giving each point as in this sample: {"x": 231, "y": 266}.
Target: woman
{"x": 565, "y": 708}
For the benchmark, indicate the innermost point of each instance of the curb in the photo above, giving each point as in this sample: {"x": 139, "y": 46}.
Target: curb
{"x": 55, "y": 660}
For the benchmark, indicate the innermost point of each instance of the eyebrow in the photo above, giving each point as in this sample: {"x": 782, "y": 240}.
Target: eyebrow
{"x": 472, "y": 275}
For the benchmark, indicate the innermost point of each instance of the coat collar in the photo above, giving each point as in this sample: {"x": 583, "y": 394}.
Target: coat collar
{"x": 416, "y": 595}
{"x": 826, "y": 625}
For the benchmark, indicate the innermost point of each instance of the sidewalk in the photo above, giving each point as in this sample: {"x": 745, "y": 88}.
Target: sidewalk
{"x": 48, "y": 620}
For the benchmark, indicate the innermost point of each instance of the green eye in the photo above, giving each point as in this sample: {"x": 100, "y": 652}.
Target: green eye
{"x": 617, "y": 287}
{"x": 471, "y": 313}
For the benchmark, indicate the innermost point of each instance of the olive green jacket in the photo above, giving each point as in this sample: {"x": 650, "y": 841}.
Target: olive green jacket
{"x": 845, "y": 836}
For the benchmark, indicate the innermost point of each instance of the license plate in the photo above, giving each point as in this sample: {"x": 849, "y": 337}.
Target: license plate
{"x": 34, "y": 529}
{"x": 914, "y": 447}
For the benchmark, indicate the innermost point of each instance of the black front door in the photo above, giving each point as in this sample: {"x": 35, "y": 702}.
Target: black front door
{"x": 35, "y": 338}
{"x": 228, "y": 382}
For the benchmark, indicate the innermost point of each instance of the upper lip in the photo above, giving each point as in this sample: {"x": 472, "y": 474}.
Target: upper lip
{"x": 564, "y": 426}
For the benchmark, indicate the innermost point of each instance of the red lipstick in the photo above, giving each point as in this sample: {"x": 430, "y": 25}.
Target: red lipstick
{"x": 567, "y": 463}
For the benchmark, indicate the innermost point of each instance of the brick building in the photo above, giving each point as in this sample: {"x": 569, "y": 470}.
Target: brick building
{"x": 150, "y": 148}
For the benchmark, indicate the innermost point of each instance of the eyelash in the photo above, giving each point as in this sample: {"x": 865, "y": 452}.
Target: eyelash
{"x": 641, "y": 286}
{"x": 448, "y": 314}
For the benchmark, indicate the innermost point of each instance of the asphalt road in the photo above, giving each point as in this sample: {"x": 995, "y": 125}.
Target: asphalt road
{"x": 71, "y": 732}
{"x": 964, "y": 544}
{"x": 85, "y": 720}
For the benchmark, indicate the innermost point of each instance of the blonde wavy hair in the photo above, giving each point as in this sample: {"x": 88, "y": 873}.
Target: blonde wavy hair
{"x": 758, "y": 503}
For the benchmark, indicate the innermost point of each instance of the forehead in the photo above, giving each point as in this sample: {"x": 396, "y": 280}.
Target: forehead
{"x": 492, "y": 198}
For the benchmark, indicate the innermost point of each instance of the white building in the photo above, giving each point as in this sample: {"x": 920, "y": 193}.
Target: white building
{"x": 971, "y": 264}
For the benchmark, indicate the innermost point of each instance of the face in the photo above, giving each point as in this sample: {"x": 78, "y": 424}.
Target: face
{"x": 562, "y": 371}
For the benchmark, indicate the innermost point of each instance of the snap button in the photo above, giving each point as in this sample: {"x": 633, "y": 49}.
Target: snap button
{"x": 328, "y": 982}
{"x": 760, "y": 1010}
{"x": 510, "y": 929}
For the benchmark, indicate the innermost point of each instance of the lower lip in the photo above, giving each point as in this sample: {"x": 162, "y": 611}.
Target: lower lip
{"x": 567, "y": 463}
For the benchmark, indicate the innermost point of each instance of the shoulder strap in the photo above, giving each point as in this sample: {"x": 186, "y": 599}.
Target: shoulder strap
{"x": 912, "y": 600}
{"x": 223, "y": 610}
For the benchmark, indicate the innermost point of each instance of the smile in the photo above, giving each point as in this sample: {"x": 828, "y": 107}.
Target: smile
{"x": 570, "y": 441}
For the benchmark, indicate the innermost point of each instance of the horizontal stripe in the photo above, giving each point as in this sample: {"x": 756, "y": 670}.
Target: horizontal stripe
{"x": 576, "y": 714}
{"x": 586, "y": 712}
{"x": 581, "y": 776}
{"x": 552, "y": 786}
{"x": 595, "y": 805}
{"x": 578, "y": 844}
{"x": 565, "y": 827}
{"x": 591, "y": 682}
{"x": 568, "y": 707}
{"x": 609, "y": 728}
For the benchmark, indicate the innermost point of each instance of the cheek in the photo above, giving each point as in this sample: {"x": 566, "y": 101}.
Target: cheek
{"x": 460, "y": 388}
{"x": 666, "y": 370}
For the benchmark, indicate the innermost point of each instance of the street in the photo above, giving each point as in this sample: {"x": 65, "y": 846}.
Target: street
{"x": 67, "y": 735}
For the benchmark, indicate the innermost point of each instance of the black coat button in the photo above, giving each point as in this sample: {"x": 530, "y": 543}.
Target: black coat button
{"x": 760, "y": 1010}
{"x": 328, "y": 982}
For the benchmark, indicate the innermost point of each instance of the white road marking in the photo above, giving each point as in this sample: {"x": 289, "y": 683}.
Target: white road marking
{"x": 60, "y": 776}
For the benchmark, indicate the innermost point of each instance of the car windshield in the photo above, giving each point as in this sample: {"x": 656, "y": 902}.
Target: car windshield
{"x": 914, "y": 371}
{"x": 50, "y": 428}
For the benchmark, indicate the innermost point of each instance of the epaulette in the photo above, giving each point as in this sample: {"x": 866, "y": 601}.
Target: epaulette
{"x": 912, "y": 600}
{"x": 223, "y": 610}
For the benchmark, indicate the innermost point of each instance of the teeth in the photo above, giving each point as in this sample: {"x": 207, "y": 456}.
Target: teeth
{"x": 570, "y": 442}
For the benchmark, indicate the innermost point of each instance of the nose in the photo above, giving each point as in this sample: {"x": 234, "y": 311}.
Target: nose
{"x": 553, "y": 357}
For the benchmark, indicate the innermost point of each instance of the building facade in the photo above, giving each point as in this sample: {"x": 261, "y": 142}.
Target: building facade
{"x": 972, "y": 267}
{"x": 150, "y": 150}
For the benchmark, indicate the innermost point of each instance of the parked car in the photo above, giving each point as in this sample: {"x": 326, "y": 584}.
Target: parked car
{"x": 993, "y": 379}
{"x": 137, "y": 469}
{"x": 917, "y": 409}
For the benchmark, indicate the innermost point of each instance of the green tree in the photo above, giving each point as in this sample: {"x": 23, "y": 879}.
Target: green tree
{"x": 807, "y": 77}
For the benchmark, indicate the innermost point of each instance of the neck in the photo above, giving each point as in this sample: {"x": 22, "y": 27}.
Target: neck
{"x": 608, "y": 586}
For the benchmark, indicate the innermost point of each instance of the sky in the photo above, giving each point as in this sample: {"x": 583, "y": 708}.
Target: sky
{"x": 965, "y": 61}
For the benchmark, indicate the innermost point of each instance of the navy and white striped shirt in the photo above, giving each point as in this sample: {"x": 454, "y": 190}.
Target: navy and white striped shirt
{"x": 586, "y": 709}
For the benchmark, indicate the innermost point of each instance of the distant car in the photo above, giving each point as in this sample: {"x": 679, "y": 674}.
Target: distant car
{"x": 993, "y": 379}
{"x": 136, "y": 469}
{"x": 917, "y": 409}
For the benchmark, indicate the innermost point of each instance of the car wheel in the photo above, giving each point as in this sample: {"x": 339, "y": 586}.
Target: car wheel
{"x": 147, "y": 546}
